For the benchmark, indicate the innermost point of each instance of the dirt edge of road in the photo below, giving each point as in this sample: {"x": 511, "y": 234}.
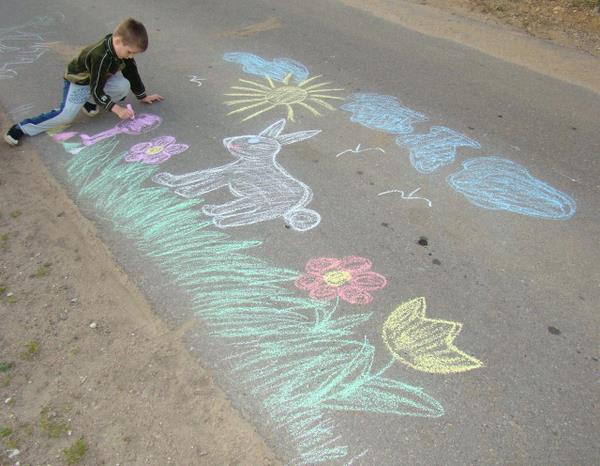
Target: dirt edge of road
{"x": 444, "y": 19}
{"x": 88, "y": 373}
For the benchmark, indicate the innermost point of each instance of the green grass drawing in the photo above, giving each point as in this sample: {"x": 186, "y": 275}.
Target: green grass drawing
{"x": 297, "y": 356}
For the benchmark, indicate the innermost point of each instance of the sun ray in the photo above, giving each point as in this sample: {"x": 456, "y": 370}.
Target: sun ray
{"x": 243, "y": 101}
{"x": 259, "y": 112}
{"x": 306, "y": 81}
{"x": 310, "y": 91}
{"x": 321, "y": 96}
{"x": 287, "y": 78}
{"x": 260, "y": 86}
{"x": 270, "y": 82}
{"x": 258, "y": 91}
{"x": 243, "y": 109}
{"x": 310, "y": 109}
{"x": 290, "y": 113}
{"x": 322, "y": 103}
{"x": 314, "y": 86}
{"x": 240, "y": 94}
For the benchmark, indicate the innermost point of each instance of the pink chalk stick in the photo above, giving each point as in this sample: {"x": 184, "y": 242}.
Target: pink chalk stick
{"x": 131, "y": 110}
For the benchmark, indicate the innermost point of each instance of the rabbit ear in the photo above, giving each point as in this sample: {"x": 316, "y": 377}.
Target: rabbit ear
{"x": 273, "y": 130}
{"x": 295, "y": 137}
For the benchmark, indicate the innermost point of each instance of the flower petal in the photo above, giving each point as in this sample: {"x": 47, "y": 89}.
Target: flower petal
{"x": 355, "y": 295}
{"x": 368, "y": 281}
{"x": 156, "y": 159}
{"x": 141, "y": 147}
{"x": 134, "y": 157}
{"x": 354, "y": 264}
{"x": 163, "y": 141}
{"x": 308, "y": 281}
{"x": 322, "y": 264}
{"x": 174, "y": 149}
{"x": 324, "y": 291}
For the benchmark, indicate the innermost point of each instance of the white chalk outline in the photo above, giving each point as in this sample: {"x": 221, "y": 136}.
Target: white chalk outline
{"x": 358, "y": 150}
{"x": 409, "y": 197}
{"x": 196, "y": 79}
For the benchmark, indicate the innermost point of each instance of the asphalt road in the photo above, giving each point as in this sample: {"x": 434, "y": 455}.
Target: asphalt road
{"x": 409, "y": 277}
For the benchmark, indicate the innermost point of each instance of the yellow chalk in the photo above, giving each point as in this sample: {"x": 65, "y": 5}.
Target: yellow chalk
{"x": 425, "y": 344}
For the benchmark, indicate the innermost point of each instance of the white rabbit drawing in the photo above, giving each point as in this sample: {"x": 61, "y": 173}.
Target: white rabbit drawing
{"x": 263, "y": 189}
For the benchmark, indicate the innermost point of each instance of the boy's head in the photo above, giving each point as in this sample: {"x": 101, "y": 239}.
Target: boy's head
{"x": 130, "y": 37}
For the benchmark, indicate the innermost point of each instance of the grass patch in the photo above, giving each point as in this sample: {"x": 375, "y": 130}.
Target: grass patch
{"x": 2, "y": 289}
{"x": 5, "y": 432}
{"x": 75, "y": 452}
{"x": 42, "y": 271}
{"x": 6, "y": 366}
{"x": 11, "y": 443}
{"x": 53, "y": 423}
{"x": 11, "y": 299}
{"x": 15, "y": 214}
{"x": 4, "y": 242}
{"x": 32, "y": 348}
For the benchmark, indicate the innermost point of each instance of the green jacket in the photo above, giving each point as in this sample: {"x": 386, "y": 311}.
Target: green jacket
{"x": 96, "y": 63}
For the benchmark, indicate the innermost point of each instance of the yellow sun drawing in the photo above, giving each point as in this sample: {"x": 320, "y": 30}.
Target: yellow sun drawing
{"x": 261, "y": 98}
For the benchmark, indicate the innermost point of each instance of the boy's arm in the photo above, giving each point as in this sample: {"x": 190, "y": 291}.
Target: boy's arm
{"x": 131, "y": 74}
{"x": 98, "y": 75}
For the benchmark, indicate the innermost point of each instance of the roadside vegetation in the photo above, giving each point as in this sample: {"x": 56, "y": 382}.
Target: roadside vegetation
{"x": 571, "y": 23}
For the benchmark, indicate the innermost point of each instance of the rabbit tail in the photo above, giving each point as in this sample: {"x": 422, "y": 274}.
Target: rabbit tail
{"x": 302, "y": 219}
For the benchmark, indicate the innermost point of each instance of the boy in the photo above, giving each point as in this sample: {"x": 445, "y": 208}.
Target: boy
{"x": 106, "y": 71}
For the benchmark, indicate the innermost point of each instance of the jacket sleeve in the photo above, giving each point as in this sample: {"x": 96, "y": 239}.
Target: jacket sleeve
{"x": 131, "y": 74}
{"x": 98, "y": 74}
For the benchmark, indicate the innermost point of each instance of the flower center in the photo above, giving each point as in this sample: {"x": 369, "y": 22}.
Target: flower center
{"x": 154, "y": 150}
{"x": 336, "y": 277}
{"x": 286, "y": 95}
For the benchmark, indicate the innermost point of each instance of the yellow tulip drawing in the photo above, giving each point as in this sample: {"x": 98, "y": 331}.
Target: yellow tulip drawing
{"x": 425, "y": 344}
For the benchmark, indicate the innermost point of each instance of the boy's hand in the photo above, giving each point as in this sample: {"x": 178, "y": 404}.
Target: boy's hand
{"x": 150, "y": 99}
{"x": 122, "y": 112}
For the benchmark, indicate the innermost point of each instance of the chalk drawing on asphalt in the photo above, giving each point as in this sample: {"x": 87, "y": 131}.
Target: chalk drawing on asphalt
{"x": 349, "y": 279}
{"x": 19, "y": 48}
{"x": 408, "y": 196}
{"x": 263, "y": 189}
{"x": 358, "y": 150}
{"x": 489, "y": 182}
{"x": 142, "y": 123}
{"x": 22, "y": 45}
{"x": 497, "y": 183}
{"x": 257, "y": 98}
{"x": 156, "y": 151}
{"x": 196, "y": 79}
{"x": 382, "y": 112}
{"x": 298, "y": 359}
{"x": 433, "y": 150}
{"x": 277, "y": 69}
{"x": 425, "y": 344}
{"x": 63, "y": 135}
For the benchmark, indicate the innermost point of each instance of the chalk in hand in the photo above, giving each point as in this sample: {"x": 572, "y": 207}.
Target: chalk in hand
{"x": 130, "y": 108}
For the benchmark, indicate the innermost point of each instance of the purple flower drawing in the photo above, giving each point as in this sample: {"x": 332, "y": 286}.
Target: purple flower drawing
{"x": 157, "y": 151}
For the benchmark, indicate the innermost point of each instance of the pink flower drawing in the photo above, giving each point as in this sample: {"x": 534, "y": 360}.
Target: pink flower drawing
{"x": 349, "y": 278}
{"x": 156, "y": 151}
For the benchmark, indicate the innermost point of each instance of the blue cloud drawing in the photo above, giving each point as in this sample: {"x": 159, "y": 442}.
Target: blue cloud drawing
{"x": 430, "y": 151}
{"x": 276, "y": 69}
{"x": 500, "y": 184}
{"x": 383, "y": 112}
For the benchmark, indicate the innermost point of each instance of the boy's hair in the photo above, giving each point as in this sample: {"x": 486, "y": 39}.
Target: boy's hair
{"x": 132, "y": 33}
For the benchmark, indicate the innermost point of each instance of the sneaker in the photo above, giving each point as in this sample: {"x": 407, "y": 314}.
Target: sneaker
{"x": 90, "y": 109}
{"x": 13, "y": 135}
